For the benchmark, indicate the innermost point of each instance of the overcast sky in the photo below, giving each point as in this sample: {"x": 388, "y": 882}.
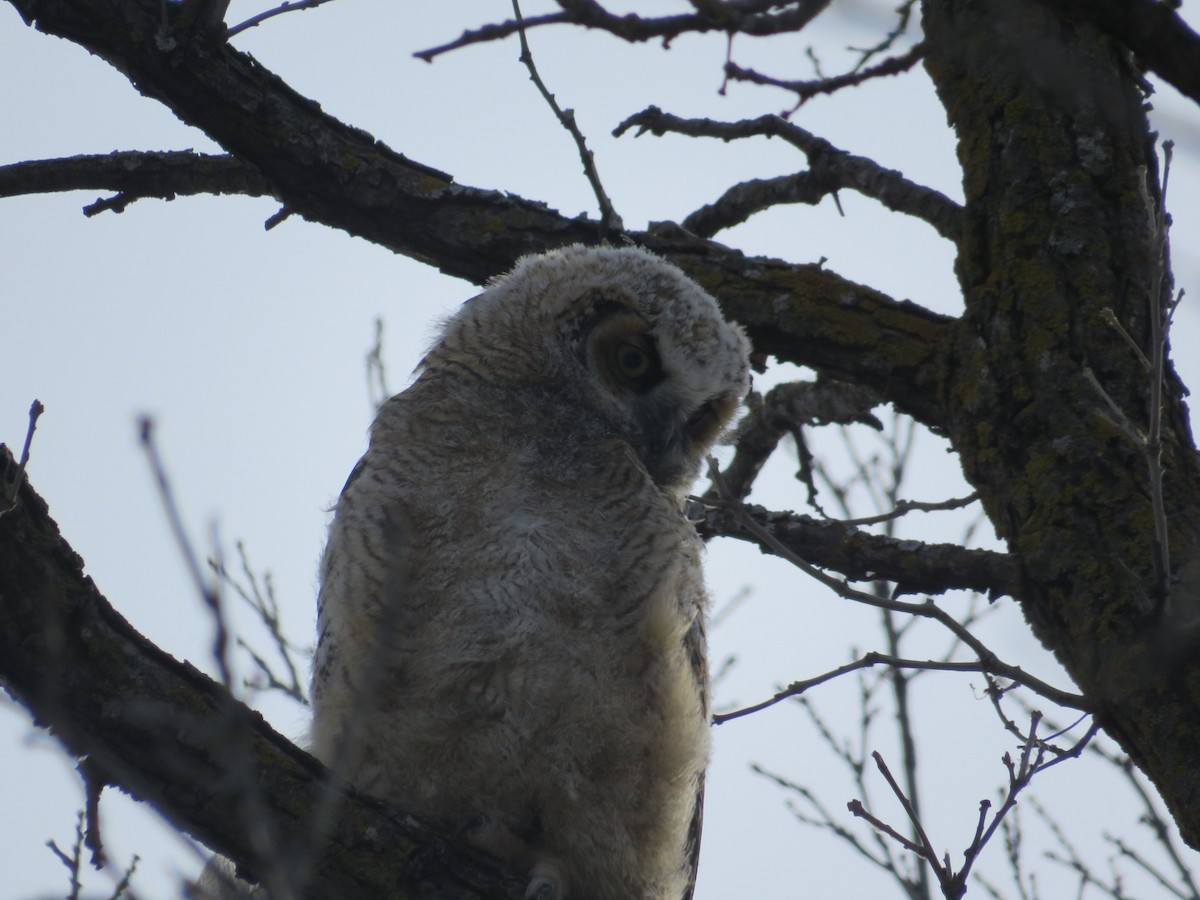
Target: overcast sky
{"x": 247, "y": 347}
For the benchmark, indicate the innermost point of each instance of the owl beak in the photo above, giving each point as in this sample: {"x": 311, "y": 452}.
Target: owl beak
{"x": 671, "y": 450}
{"x": 706, "y": 422}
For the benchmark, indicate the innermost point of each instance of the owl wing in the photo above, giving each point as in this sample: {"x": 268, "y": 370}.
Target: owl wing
{"x": 696, "y": 644}
{"x": 364, "y": 562}
{"x": 693, "y": 840}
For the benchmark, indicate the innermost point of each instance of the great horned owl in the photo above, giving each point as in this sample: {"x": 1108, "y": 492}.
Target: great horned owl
{"x": 511, "y": 613}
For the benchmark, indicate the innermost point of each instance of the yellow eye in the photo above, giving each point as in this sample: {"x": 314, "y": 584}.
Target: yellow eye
{"x": 631, "y": 358}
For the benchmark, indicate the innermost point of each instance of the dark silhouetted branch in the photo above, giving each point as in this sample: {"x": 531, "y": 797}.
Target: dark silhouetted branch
{"x": 830, "y": 169}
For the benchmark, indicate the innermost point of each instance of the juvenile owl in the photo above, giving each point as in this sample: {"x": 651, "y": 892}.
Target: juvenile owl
{"x": 511, "y": 614}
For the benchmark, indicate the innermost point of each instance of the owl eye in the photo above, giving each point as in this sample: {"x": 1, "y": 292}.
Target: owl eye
{"x": 633, "y": 359}
{"x": 630, "y": 358}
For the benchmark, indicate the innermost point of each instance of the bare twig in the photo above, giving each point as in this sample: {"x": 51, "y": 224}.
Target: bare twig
{"x": 785, "y": 410}
{"x": 35, "y": 412}
{"x": 836, "y": 168}
{"x": 292, "y": 6}
{"x": 745, "y": 18}
{"x": 825, "y": 820}
{"x": 903, "y": 16}
{"x": 904, "y": 507}
{"x": 122, "y": 886}
{"x": 867, "y": 661}
{"x": 377, "y": 384}
{"x": 1163, "y": 831}
{"x": 610, "y": 221}
{"x": 74, "y": 860}
{"x": 260, "y": 597}
{"x": 1031, "y": 761}
{"x": 929, "y": 609}
{"x": 924, "y": 846}
{"x": 806, "y": 90}
{"x": 205, "y": 588}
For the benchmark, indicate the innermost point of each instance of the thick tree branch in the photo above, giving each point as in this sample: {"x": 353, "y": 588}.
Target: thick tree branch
{"x": 1152, "y": 29}
{"x": 341, "y": 176}
{"x": 160, "y": 730}
{"x": 135, "y": 175}
{"x": 1036, "y": 102}
{"x": 915, "y": 567}
{"x": 785, "y": 410}
{"x": 830, "y": 168}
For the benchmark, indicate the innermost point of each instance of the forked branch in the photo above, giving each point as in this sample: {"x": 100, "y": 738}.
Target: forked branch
{"x": 1036, "y": 755}
{"x": 830, "y": 169}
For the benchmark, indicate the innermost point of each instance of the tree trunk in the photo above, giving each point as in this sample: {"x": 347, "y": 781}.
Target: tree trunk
{"x": 1059, "y": 169}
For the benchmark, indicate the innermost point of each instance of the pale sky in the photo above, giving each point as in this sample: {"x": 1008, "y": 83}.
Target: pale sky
{"x": 247, "y": 348}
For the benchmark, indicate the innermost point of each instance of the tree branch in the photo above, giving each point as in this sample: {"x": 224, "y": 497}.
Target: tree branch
{"x": 785, "y": 410}
{"x": 868, "y": 661}
{"x": 830, "y": 168}
{"x": 135, "y": 174}
{"x": 806, "y": 90}
{"x": 158, "y": 729}
{"x": 331, "y": 173}
{"x": 1153, "y": 30}
{"x": 745, "y": 18}
{"x": 915, "y": 567}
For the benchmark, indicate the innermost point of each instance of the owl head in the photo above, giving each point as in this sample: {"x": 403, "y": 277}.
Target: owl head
{"x": 617, "y": 341}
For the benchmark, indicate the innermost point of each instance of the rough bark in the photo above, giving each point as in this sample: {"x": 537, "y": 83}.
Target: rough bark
{"x": 169, "y": 735}
{"x": 1056, "y": 153}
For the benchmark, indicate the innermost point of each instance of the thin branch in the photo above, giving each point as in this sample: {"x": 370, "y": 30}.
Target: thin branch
{"x": 487, "y": 33}
{"x": 929, "y": 609}
{"x": 904, "y": 507}
{"x": 867, "y": 661}
{"x": 1031, "y": 761}
{"x": 74, "y": 860}
{"x": 1124, "y": 850}
{"x": 746, "y": 198}
{"x": 914, "y": 567}
{"x": 859, "y": 811}
{"x": 292, "y": 6}
{"x": 903, "y": 16}
{"x": 836, "y": 168}
{"x": 610, "y": 221}
{"x": 826, "y": 820}
{"x": 260, "y": 597}
{"x": 784, "y": 410}
{"x": 925, "y": 847}
{"x": 14, "y": 488}
{"x": 207, "y": 591}
{"x": 1163, "y": 831}
{"x": 743, "y": 18}
{"x": 135, "y": 175}
{"x": 377, "y": 383}
{"x": 807, "y": 90}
